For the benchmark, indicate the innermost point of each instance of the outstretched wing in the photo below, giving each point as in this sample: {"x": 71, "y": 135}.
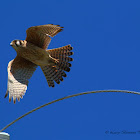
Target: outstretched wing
{"x": 40, "y": 35}
{"x": 52, "y": 74}
{"x": 57, "y": 72}
{"x": 20, "y": 71}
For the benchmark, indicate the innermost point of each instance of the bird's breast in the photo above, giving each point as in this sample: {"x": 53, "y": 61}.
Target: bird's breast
{"x": 34, "y": 54}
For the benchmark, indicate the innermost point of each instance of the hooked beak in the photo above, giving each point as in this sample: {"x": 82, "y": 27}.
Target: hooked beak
{"x": 11, "y": 44}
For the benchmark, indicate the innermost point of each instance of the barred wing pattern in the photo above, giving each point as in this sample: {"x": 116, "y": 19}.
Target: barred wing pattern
{"x": 20, "y": 71}
{"x": 62, "y": 53}
{"x": 56, "y": 72}
{"x": 40, "y": 35}
{"x": 53, "y": 73}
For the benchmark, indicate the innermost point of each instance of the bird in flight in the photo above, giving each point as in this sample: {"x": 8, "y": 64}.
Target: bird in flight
{"x": 32, "y": 53}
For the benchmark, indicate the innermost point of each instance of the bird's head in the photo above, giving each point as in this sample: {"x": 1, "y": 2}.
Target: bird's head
{"x": 17, "y": 44}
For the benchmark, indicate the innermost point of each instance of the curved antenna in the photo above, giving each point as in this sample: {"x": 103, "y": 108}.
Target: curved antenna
{"x": 66, "y": 97}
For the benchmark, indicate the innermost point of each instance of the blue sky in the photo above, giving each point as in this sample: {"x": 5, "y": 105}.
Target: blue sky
{"x": 105, "y": 35}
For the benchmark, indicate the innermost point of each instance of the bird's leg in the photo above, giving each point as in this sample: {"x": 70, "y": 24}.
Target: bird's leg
{"x": 53, "y": 61}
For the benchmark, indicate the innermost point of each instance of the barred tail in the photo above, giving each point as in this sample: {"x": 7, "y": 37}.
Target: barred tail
{"x": 56, "y": 72}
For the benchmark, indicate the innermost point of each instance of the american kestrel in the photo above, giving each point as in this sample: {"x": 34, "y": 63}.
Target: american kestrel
{"x": 31, "y": 53}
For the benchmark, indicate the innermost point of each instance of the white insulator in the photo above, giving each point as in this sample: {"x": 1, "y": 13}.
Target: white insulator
{"x": 4, "y": 136}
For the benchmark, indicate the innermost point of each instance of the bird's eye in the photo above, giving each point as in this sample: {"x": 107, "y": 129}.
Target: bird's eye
{"x": 18, "y": 43}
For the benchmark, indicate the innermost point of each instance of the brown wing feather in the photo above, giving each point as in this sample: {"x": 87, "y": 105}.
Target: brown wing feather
{"x": 53, "y": 73}
{"x": 62, "y": 55}
{"x": 40, "y": 35}
{"x": 47, "y": 70}
{"x": 56, "y": 72}
{"x": 20, "y": 71}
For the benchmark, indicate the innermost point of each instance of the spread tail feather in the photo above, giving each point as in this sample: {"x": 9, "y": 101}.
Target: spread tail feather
{"x": 56, "y": 72}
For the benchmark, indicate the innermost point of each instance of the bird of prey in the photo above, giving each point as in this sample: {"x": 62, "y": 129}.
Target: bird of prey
{"x": 31, "y": 53}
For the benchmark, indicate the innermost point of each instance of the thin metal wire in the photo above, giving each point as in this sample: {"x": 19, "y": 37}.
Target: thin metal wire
{"x": 70, "y": 96}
